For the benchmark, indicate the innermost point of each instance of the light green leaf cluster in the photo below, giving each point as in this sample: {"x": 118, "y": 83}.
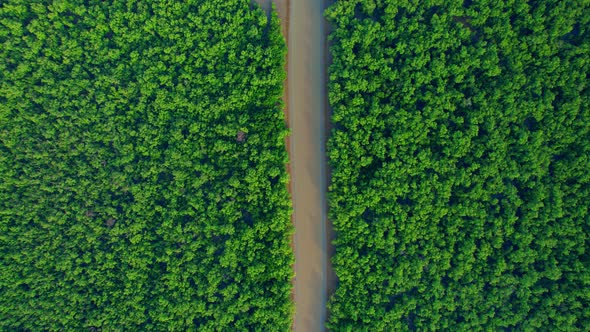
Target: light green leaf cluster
{"x": 460, "y": 165}
{"x": 142, "y": 167}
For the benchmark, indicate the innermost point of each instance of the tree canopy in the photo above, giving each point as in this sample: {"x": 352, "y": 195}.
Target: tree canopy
{"x": 460, "y": 160}
{"x": 142, "y": 167}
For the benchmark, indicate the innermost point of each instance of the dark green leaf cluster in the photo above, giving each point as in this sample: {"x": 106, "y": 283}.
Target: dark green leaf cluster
{"x": 142, "y": 177}
{"x": 460, "y": 163}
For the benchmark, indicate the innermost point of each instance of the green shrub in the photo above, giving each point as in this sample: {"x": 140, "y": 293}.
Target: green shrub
{"x": 142, "y": 167}
{"x": 460, "y": 165}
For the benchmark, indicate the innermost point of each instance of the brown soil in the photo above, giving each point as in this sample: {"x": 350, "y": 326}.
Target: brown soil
{"x": 307, "y": 113}
{"x": 307, "y": 107}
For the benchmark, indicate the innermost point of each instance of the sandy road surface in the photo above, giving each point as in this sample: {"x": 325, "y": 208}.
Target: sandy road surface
{"x": 307, "y": 107}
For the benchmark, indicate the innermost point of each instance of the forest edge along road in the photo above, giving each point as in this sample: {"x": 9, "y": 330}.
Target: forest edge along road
{"x": 330, "y": 235}
{"x": 307, "y": 107}
{"x": 282, "y": 8}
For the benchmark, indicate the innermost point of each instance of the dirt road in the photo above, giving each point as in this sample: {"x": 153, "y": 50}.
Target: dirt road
{"x": 307, "y": 102}
{"x": 307, "y": 107}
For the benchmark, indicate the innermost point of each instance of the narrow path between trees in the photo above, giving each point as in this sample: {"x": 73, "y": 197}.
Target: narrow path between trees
{"x": 304, "y": 27}
{"x": 307, "y": 93}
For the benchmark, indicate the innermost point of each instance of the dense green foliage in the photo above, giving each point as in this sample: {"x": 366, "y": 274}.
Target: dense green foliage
{"x": 461, "y": 165}
{"x": 142, "y": 178}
